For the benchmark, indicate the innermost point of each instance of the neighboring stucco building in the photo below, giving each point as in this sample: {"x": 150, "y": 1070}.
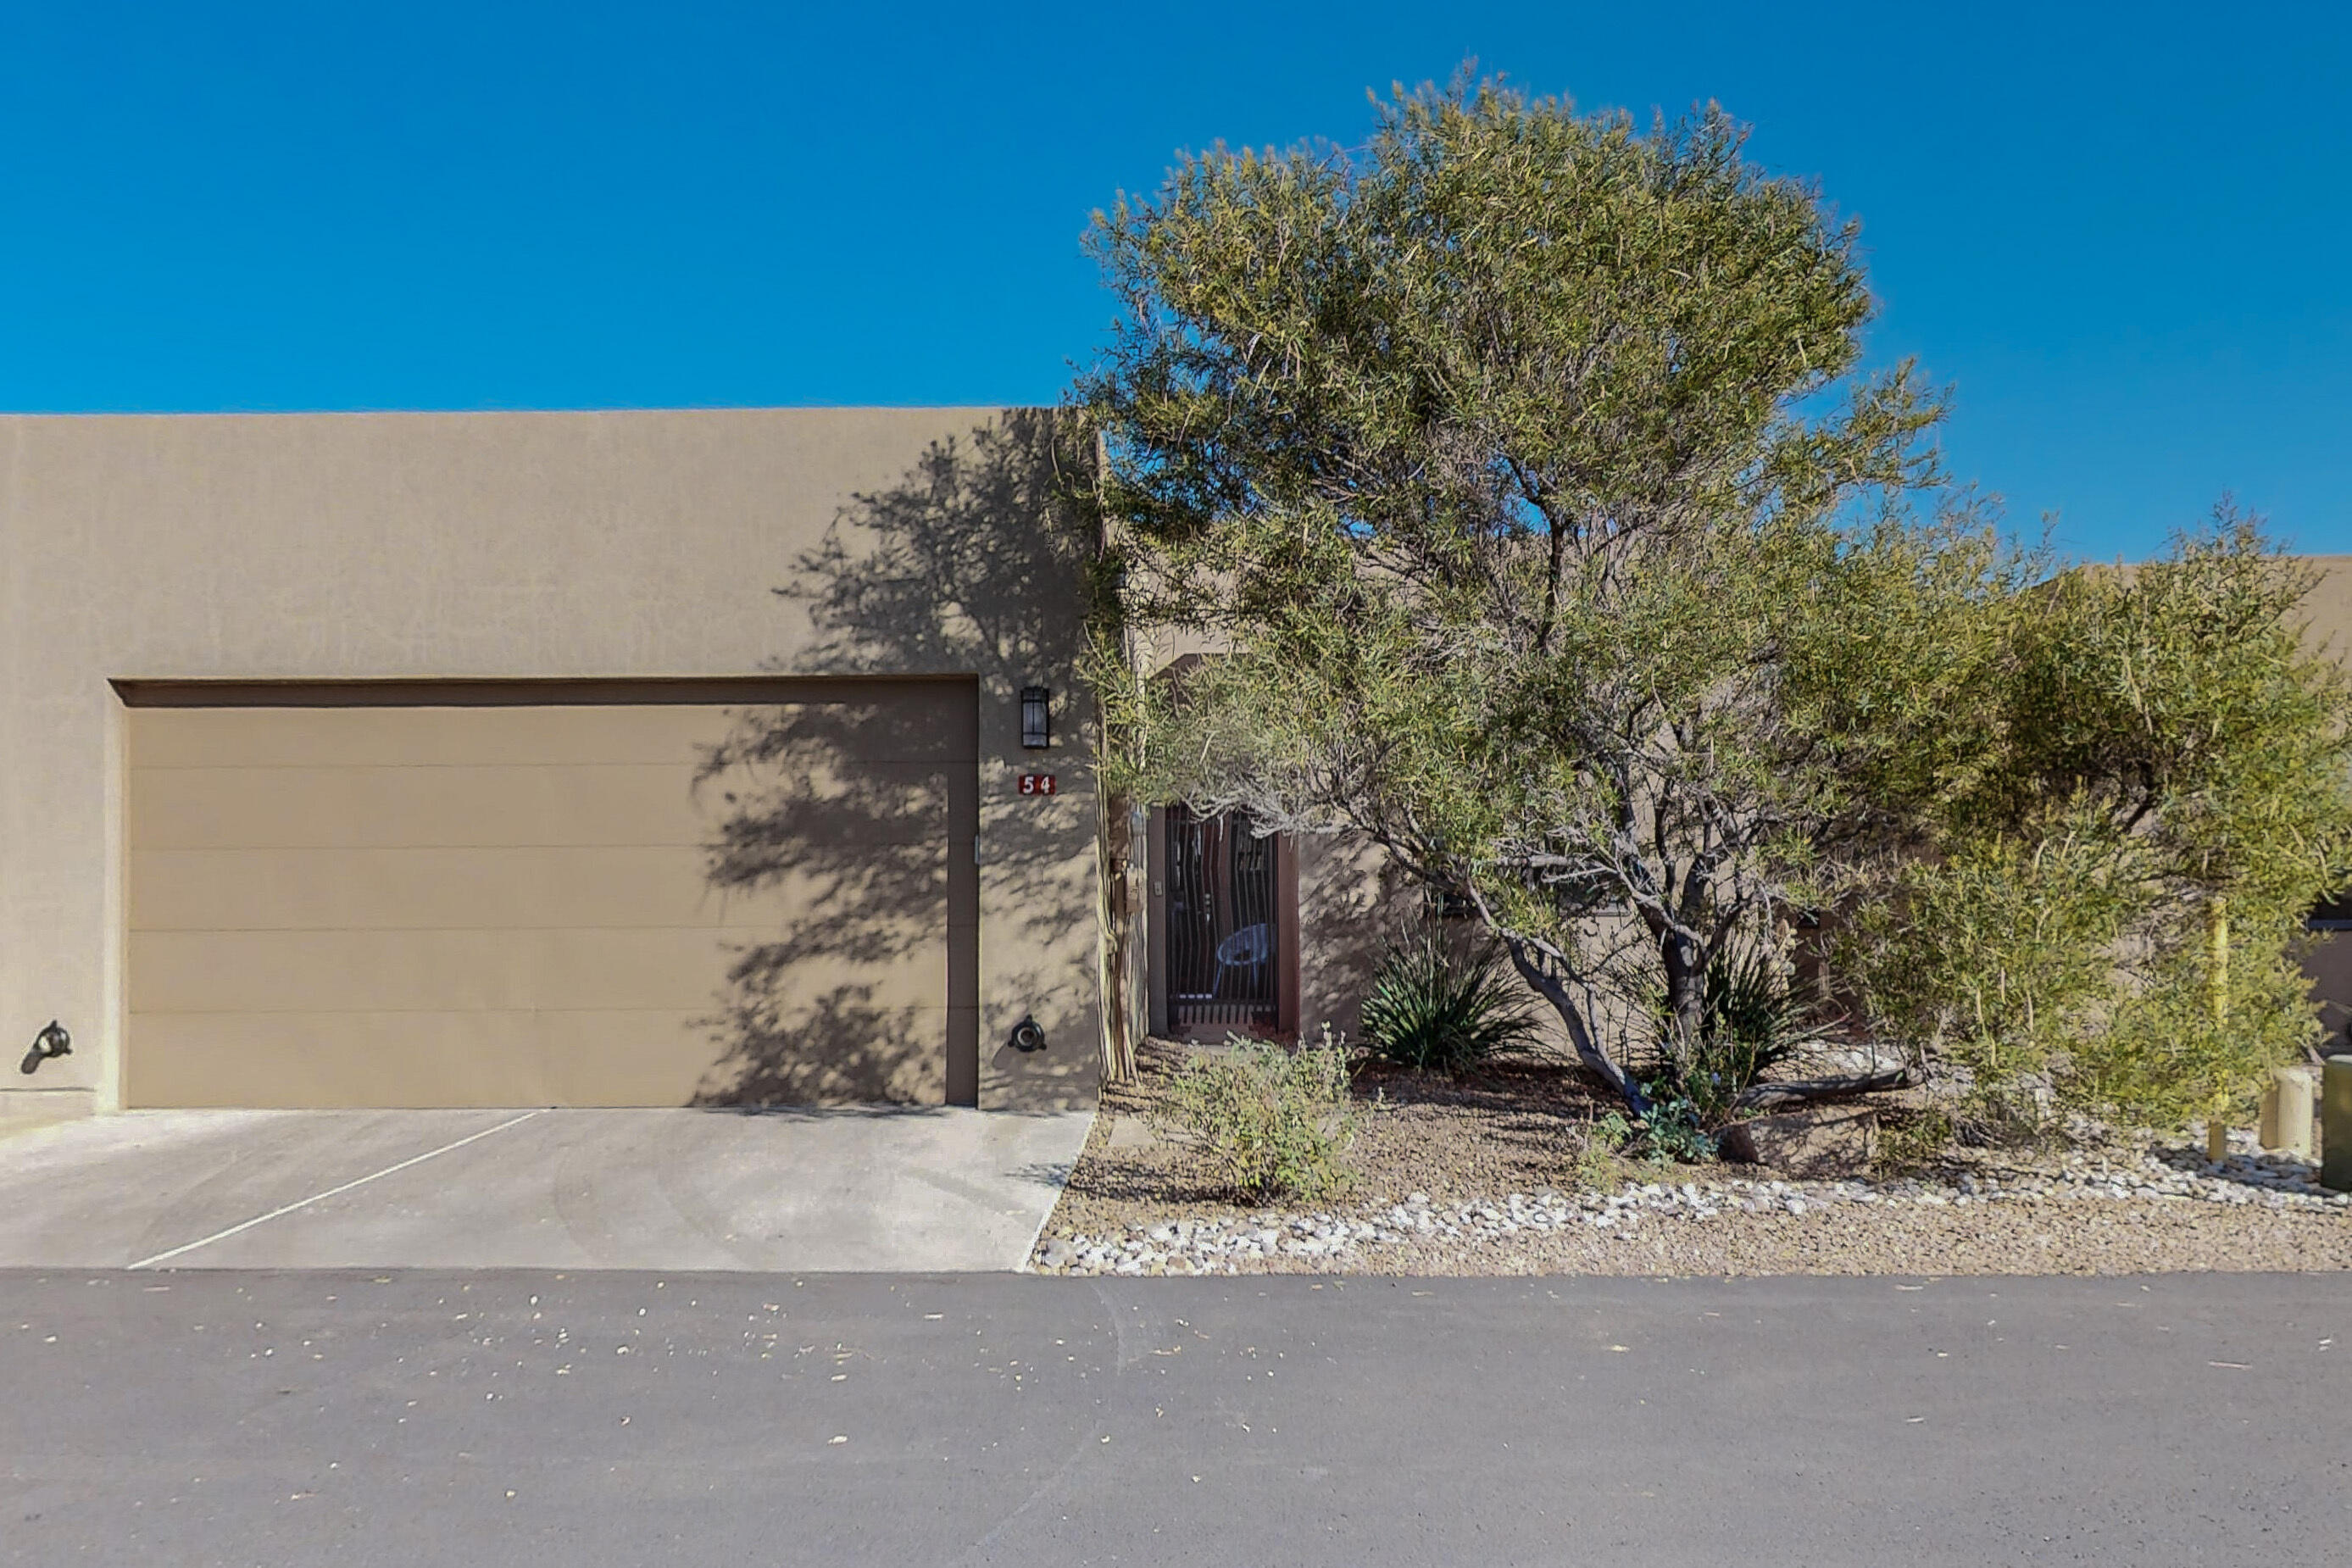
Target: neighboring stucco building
{"x": 2327, "y": 612}
{"x": 541, "y": 758}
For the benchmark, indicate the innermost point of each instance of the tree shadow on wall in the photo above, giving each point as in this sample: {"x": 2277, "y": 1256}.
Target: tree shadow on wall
{"x": 976, "y": 563}
{"x": 832, "y": 818}
{"x": 829, "y": 836}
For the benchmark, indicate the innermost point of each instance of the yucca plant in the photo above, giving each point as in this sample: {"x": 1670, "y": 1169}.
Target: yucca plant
{"x": 1752, "y": 1022}
{"x": 1428, "y": 1009}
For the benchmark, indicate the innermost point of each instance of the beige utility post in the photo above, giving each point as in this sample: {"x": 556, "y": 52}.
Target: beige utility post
{"x": 2217, "y": 920}
{"x": 2335, "y": 1124}
{"x": 2286, "y": 1110}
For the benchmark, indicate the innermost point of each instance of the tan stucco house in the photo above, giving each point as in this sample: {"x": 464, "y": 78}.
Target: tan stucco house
{"x": 718, "y": 757}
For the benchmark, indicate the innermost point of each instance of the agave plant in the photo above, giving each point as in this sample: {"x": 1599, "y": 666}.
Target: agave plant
{"x": 1428, "y": 1009}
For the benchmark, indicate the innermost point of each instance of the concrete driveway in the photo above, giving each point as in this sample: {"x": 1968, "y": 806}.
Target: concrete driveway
{"x": 918, "y": 1190}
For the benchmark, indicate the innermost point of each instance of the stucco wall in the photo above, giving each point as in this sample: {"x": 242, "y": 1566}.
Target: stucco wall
{"x": 2327, "y": 612}
{"x": 643, "y": 544}
{"x": 1352, "y": 907}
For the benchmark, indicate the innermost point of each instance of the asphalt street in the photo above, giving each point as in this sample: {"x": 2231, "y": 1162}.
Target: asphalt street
{"x": 522, "y": 1418}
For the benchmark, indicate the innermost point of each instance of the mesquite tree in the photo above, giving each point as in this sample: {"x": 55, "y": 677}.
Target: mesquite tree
{"x": 1520, "y": 461}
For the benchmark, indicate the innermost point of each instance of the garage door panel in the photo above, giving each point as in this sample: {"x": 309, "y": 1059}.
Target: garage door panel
{"x": 294, "y": 1061}
{"x": 921, "y": 724}
{"x": 612, "y": 803}
{"x": 608, "y": 804}
{"x": 458, "y": 1060}
{"x": 934, "y": 726}
{"x": 830, "y": 1048}
{"x": 432, "y": 971}
{"x": 488, "y": 889}
{"x": 478, "y": 905}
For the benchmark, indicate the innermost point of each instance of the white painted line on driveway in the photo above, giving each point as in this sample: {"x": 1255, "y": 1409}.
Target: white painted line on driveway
{"x": 331, "y": 1191}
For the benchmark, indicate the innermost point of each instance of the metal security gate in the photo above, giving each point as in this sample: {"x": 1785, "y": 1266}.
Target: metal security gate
{"x": 1223, "y": 929}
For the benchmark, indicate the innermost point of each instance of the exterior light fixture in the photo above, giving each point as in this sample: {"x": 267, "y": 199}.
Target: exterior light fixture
{"x": 1036, "y": 718}
{"x": 52, "y": 1041}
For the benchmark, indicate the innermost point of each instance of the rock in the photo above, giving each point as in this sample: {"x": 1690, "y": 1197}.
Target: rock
{"x": 1824, "y": 1143}
{"x": 1495, "y": 1226}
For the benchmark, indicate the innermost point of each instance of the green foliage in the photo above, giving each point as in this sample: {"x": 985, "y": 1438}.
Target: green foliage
{"x": 1276, "y": 1123}
{"x": 1912, "y": 1144}
{"x": 1598, "y": 1167}
{"x": 1510, "y": 457}
{"x": 1750, "y": 1022}
{"x": 1520, "y": 464}
{"x": 2002, "y": 950}
{"x": 1428, "y": 1009}
{"x": 1610, "y": 1133}
{"x": 1671, "y": 1131}
{"x": 1668, "y": 1133}
{"x": 2145, "y": 750}
{"x": 2164, "y": 1059}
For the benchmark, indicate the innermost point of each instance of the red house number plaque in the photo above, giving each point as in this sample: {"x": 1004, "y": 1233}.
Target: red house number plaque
{"x": 1038, "y": 783}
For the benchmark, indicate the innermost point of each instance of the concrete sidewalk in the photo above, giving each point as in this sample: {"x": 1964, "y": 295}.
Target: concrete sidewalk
{"x": 919, "y": 1189}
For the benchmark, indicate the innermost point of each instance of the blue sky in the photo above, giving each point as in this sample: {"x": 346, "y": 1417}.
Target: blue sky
{"x": 2123, "y": 232}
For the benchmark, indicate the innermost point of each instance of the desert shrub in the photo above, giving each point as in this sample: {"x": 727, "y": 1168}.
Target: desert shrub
{"x": 1428, "y": 1009}
{"x": 2154, "y": 793}
{"x": 1599, "y": 1167}
{"x": 1276, "y": 1123}
{"x": 1669, "y": 1134}
{"x": 1912, "y": 1142}
{"x": 2166, "y": 1058}
{"x": 1751, "y": 1022}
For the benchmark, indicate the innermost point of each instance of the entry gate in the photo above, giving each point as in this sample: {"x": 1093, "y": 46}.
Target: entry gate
{"x": 1222, "y": 931}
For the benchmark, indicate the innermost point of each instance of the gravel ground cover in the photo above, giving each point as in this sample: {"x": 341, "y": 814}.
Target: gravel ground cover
{"x": 1478, "y": 1176}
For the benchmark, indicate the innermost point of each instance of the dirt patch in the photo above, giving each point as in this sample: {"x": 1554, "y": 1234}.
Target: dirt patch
{"x": 2047, "y": 1237}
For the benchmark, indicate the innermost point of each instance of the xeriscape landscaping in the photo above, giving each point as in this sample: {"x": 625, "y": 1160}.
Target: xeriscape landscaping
{"x": 1480, "y": 1174}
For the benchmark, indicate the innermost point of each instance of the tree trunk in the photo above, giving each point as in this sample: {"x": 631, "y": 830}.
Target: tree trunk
{"x": 1537, "y": 973}
{"x": 1122, "y": 974}
{"x": 1686, "y": 990}
{"x": 1806, "y": 1091}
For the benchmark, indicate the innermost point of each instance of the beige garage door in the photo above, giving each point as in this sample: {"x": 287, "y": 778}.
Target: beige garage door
{"x": 578, "y": 894}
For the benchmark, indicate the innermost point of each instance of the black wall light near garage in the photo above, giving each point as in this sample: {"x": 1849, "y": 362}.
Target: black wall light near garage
{"x": 52, "y": 1041}
{"x": 1036, "y": 718}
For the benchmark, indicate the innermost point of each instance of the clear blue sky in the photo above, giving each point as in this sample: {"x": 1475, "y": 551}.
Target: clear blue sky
{"x": 2123, "y": 231}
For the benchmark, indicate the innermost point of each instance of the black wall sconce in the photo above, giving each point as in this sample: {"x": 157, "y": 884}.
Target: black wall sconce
{"x": 52, "y": 1041}
{"x": 1036, "y": 718}
{"x": 1027, "y": 1037}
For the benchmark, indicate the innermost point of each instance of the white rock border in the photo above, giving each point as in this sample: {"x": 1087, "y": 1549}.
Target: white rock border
{"x": 1230, "y": 1245}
